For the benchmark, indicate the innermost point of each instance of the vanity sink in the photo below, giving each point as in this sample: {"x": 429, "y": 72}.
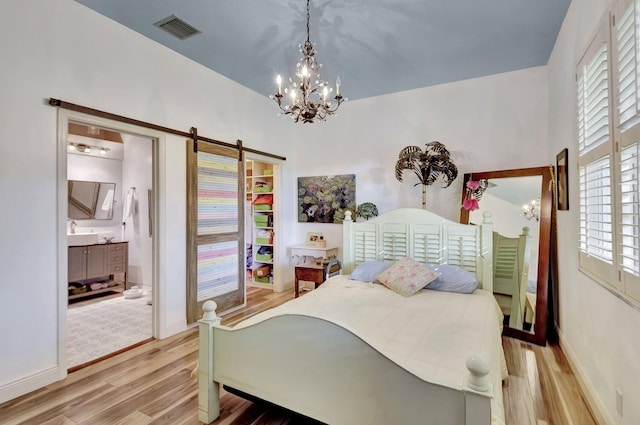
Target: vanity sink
{"x": 79, "y": 239}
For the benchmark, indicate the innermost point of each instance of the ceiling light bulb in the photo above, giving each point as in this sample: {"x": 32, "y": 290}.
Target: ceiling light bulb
{"x": 71, "y": 147}
{"x": 87, "y": 149}
{"x": 103, "y": 151}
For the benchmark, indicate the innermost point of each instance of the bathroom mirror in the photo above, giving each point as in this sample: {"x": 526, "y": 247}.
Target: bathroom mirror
{"x": 520, "y": 203}
{"x": 90, "y": 200}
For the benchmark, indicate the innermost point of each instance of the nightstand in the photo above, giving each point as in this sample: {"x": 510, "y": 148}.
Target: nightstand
{"x": 316, "y": 273}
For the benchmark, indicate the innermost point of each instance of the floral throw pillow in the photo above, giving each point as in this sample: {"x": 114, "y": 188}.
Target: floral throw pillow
{"x": 407, "y": 276}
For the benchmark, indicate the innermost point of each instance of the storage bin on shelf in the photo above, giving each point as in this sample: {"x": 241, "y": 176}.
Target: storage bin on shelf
{"x": 262, "y": 187}
{"x": 261, "y": 220}
{"x": 262, "y": 274}
{"x": 265, "y": 279}
{"x": 264, "y": 237}
{"x": 265, "y": 253}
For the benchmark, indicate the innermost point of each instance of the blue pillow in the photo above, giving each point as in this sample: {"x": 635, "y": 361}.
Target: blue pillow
{"x": 368, "y": 270}
{"x": 452, "y": 279}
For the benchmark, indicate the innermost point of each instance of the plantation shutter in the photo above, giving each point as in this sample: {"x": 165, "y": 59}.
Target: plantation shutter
{"x": 593, "y": 101}
{"x": 594, "y": 149}
{"x": 596, "y": 233}
{"x": 629, "y": 219}
{"x": 216, "y": 232}
{"x": 627, "y": 137}
{"x": 627, "y": 57}
{"x": 630, "y": 211}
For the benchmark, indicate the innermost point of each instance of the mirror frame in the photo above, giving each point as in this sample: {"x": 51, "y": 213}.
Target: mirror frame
{"x": 90, "y": 211}
{"x": 539, "y": 336}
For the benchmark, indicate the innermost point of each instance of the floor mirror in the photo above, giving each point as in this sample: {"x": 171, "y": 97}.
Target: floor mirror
{"x": 520, "y": 202}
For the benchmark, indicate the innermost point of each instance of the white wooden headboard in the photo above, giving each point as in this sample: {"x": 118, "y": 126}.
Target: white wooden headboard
{"x": 423, "y": 236}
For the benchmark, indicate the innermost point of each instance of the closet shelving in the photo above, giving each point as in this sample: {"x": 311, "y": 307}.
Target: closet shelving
{"x": 260, "y": 192}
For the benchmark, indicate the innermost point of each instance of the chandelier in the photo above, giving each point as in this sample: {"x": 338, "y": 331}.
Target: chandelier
{"x": 308, "y": 93}
{"x": 531, "y": 210}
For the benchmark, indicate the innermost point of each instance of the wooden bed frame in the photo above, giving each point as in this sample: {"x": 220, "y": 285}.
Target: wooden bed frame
{"x": 323, "y": 371}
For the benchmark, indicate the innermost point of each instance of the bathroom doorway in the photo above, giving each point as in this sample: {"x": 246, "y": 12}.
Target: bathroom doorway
{"x": 110, "y": 216}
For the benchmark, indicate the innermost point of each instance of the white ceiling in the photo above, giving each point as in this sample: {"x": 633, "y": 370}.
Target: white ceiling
{"x": 376, "y": 47}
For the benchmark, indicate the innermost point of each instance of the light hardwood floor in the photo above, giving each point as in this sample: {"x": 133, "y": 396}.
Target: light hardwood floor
{"x": 152, "y": 384}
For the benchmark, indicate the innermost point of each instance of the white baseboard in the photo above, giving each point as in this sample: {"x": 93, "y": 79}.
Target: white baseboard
{"x": 30, "y": 383}
{"x": 598, "y": 408}
{"x": 173, "y": 329}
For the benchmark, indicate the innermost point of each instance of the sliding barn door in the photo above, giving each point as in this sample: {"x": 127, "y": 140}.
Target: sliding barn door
{"x": 215, "y": 234}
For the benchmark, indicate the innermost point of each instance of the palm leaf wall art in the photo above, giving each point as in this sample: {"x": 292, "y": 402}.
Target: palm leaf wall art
{"x": 429, "y": 165}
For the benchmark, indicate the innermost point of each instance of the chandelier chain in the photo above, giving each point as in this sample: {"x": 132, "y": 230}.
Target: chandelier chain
{"x": 308, "y": 19}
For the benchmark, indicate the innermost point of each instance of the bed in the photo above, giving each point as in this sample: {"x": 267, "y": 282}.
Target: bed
{"x": 511, "y": 274}
{"x": 355, "y": 352}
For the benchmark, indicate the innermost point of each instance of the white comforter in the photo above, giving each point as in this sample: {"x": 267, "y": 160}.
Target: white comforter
{"x": 430, "y": 334}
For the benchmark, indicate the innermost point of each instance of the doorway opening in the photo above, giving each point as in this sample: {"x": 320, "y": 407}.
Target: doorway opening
{"x": 262, "y": 216}
{"x": 109, "y": 302}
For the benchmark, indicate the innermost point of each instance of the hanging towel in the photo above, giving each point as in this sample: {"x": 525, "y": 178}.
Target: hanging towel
{"x": 108, "y": 201}
{"x": 130, "y": 203}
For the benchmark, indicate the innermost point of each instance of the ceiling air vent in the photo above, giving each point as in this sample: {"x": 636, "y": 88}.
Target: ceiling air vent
{"x": 177, "y": 27}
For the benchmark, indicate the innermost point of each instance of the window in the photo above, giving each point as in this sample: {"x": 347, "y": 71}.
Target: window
{"x": 608, "y": 115}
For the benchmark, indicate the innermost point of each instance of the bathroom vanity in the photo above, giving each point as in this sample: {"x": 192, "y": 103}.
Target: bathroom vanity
{"x": 103, "y": 266}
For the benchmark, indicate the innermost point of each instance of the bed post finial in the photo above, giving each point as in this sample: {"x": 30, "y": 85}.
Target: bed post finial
{"x": 347, "y": 215}
{"x": 486, "y": 217}
{"x": 209, "y": 307}
{"x": 478, "y": 378}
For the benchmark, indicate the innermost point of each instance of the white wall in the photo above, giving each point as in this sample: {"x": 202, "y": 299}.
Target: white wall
{"x": 138, "y": 174}
{"x": 491, "y": 123}
{"x": 598, "y": 331}
{"x": 64, "y": 50}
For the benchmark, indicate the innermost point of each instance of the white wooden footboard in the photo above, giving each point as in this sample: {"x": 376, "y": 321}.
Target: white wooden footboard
{"x": 323, "y": 371}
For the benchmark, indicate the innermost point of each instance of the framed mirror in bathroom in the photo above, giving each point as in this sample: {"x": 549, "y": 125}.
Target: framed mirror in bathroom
{"x": 89, "y": 200}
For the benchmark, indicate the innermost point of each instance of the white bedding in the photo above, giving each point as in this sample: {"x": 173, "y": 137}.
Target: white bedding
{"x": 430, "y": 334}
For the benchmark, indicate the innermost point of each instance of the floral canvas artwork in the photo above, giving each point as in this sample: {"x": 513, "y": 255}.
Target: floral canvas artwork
{"x": 326, "y": 199}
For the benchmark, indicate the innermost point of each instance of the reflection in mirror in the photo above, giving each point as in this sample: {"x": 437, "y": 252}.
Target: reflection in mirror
{"x": 515, "y": 242}
{"x": 521, "y": 213}
{"x": 90, "y": 200}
